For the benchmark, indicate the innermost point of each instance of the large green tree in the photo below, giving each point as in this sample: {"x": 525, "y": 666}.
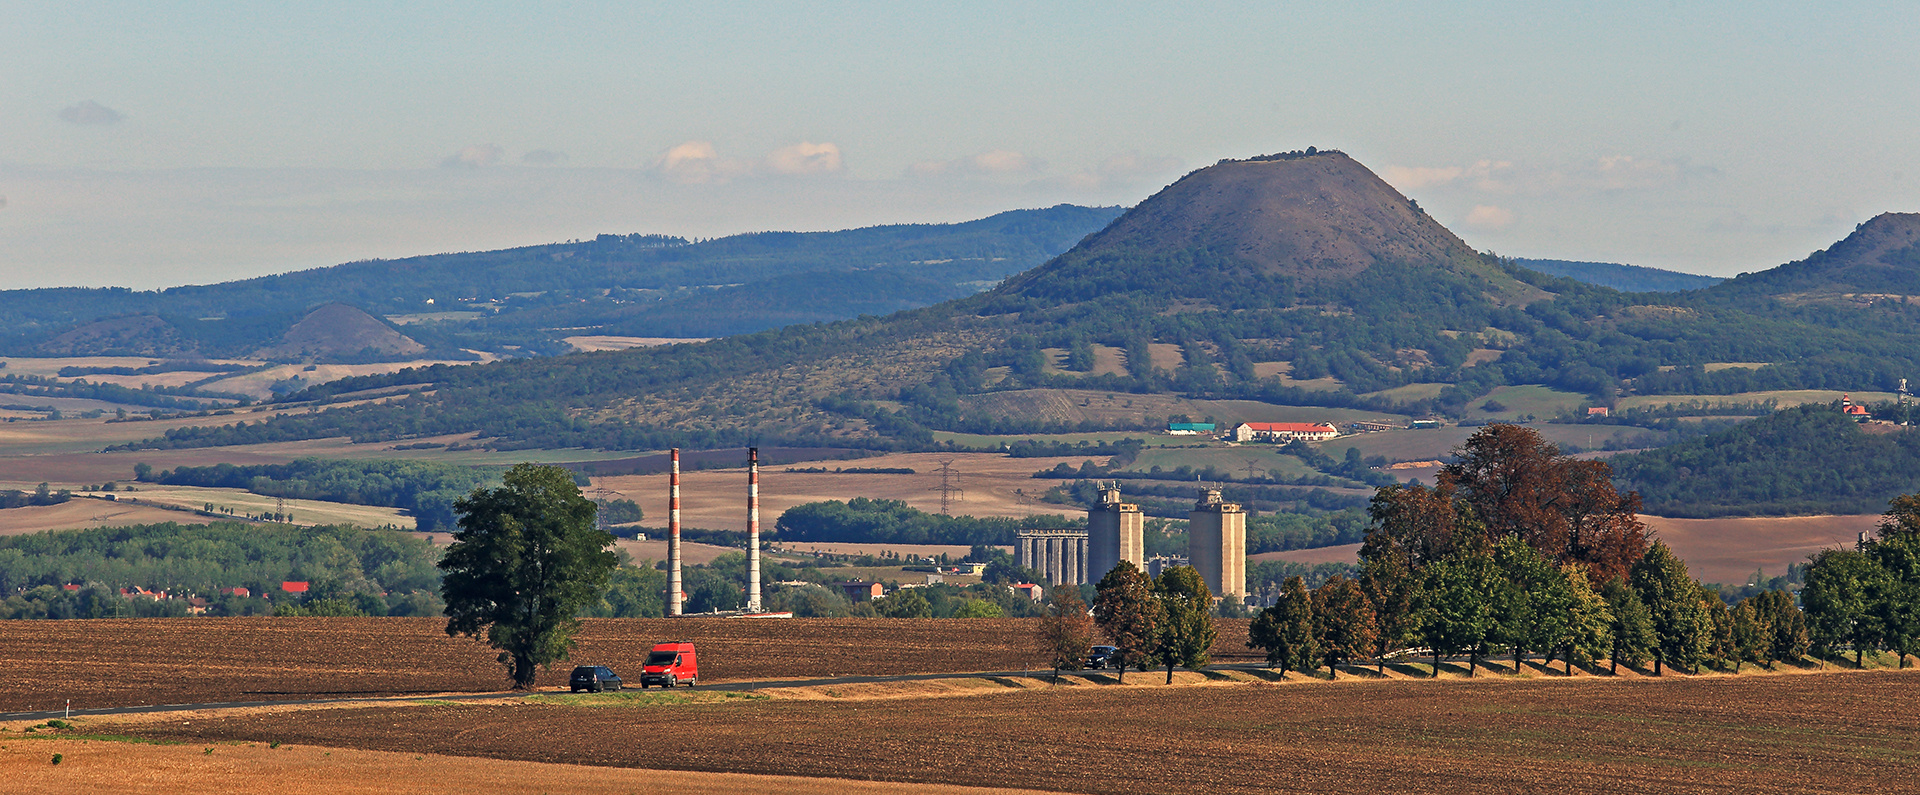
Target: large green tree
{"x": 1066, "y": 632}
{"x": 1344, "y": 622}
{"x": 1393, "y": 587}
{"x": 526, "y": 559}
{"x": 1285, "y": 629}
{"x": 1588, "y": 630}
{"x": 1897, "y": 551}
{"x": 1841, "y": 587}
{"x": 1456, "y": 607}
{"x": 1632, "y": 635}
{"x": 1128, "y": 614}
{"x": 1186, "y": 631}
{"x": 1681, "y": 625}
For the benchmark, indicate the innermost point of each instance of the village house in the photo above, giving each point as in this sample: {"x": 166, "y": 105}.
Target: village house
{"x": 1284, "y": 432}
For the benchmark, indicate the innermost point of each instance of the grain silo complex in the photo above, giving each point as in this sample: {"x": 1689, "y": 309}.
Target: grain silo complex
{"x": 1115, "y": 532}
{"x": 1217, "y": 544}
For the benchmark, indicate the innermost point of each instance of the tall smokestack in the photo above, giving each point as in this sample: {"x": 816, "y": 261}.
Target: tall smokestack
{"x": 673, "y": 535}
{"x": 753, "y": 529}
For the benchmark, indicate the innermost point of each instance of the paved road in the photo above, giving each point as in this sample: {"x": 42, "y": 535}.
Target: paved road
{"x": 727, "y": 686}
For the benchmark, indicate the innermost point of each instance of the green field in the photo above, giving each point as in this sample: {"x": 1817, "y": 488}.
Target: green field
{"x": 1520, "y": 401}
{"x": 1786, "y": 398}
{"x": 1438, "y": 443}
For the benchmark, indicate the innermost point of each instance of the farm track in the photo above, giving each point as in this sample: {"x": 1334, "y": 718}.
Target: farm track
{"x": 1839, "y": 732}
{"x": 137, "y": 662}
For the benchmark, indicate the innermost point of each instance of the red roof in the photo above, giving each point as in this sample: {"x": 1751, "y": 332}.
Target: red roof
{"x": 1856, "y": 410}
{"x": 1293, "y": 427}
{"x": 293, "y": 587}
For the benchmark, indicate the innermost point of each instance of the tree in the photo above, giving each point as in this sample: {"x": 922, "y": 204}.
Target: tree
{"x": 1066, "y": 632}
{"x": 1896, "y": 550}
{"x": 1839, "y": 594}
{"x": 1589, "y": 624}
{"x": 1455, "y": 608}
{"x": 1128, "y": 614}
{"x": 977, "y": 608}
{"x": 1720, "y": 644}
{"x": 1680, "y": 622}
{"x": 1393, "y": 589}
{"x": 526, "y": 559}
{"x": 1750, "y": 634}
{"x": 1186, "y": 626}
{"x": 1633, "y": 637}
{"x": 1530, "y": 600}
{"x": 1343, "y": 622}
{"x": 904, "y": 603}
{"x": 632, "y": 592}
{"x": 1285, "y": 629}
{"x": 1521, "y": 486}
{"x": 1787, "y": 626}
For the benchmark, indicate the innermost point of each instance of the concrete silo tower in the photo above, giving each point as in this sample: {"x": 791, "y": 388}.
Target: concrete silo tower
{"x": 1115, "y": 532}
{"x": 1217, "y": 544}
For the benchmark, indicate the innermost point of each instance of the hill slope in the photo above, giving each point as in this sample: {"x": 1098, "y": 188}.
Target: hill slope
{"x": 1625, "y": 278}
{"x": 519, "y": 300}
{"x": 1880, "y": 259}
{"x": 1245, "y": 280}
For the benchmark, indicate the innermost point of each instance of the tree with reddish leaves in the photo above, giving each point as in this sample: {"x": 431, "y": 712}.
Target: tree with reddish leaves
{"x": 1520, "y": 485}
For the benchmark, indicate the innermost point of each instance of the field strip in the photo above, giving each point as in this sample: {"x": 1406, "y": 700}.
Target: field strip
{"x": 99, "y": 765}
{"x": 903, "y": 686}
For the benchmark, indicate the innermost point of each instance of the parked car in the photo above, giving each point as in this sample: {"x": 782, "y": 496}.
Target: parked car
{"x": 594, "y": 679}
{"x": 670, "y": 665}
{"x": 1102, "y": 657}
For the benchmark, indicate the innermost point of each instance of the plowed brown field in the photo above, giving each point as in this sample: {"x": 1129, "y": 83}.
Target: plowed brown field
{"x": 1840, "y": 732}
{"x": 104, "y": 663}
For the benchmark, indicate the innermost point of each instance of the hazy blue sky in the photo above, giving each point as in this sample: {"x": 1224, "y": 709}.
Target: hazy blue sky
{"x": 150, "y": 144}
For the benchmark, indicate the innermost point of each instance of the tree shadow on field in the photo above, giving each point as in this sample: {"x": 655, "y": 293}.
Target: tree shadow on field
{"x": 1099, "y": 679}
{"x": 1358, "y": 671}
{"x": 1410, "y": 669}
{"x": 1554, "y": 668}
{"x": 1216, "y": 676}
{"x": 1005, "y": 681}
{"x": 1455, "y": 668}
{"x": 1269, "y": 674}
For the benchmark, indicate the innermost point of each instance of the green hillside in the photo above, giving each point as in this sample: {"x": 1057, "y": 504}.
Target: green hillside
{"x": 522, "y": 300}
{"x": 1248, "y": 280}
{"x": 1625, "y": 278}
{"x": 1805, "y": 460}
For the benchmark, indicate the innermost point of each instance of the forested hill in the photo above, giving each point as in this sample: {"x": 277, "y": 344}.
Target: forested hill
{"x": 1806, "y": 460}
{"x": 1878, "y": 263}
{"x": 1298, "y": 278}
{"x": 1625, "y": 278}
{"x": 513, "y": 300}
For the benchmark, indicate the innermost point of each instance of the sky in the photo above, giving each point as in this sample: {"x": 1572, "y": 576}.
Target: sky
{"x": 154, "y": 144}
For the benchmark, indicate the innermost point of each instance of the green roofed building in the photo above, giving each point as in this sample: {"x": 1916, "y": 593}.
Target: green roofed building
{"x": 1189, "y": 428}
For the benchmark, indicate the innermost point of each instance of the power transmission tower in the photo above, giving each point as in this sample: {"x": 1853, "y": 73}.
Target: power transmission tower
{"x": 1253, "y": 465}
{"x": 949, "y": 487}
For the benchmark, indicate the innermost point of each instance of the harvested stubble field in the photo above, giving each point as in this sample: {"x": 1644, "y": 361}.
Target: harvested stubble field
{"x": 1838, "y": 732}
{"x": 123, "y": 662}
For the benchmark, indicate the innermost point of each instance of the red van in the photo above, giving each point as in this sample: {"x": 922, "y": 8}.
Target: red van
{"x": 671, "y": 664}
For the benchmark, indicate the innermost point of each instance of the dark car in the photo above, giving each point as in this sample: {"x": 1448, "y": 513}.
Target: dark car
{"x": 594, "y": 679}
{"x": 1102, "y": 657}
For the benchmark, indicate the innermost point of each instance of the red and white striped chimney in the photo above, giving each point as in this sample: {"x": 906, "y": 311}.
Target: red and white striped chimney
{"x": 673, "y": 535}
{"x": 753, "y": 529}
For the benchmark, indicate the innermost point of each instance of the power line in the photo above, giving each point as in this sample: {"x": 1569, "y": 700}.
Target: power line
{"x": 949, "y": 487}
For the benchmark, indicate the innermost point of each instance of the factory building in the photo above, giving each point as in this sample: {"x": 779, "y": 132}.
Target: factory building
{"x": 1059, "y": 555}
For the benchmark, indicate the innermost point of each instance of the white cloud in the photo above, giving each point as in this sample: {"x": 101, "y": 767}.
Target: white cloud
{"x": 474, "y": 156}
{"x": 543, "y": 157}
{"x": 697, "y": 163}
{"x": 90, "y": 112}
{"x": 804, "y": 159}
{"x": 1415, "y": 177}
{"x": 1609, "y": 173}
{"x": 1489, "y": 217}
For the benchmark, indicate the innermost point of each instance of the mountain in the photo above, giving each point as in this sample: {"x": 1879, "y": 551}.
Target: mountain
{"x": 1295, "y": 224}
{"x": 1625, "y": 278}
{"x": 1879, "y": 262}
{"x": 522, "y": 300}
{"x": 335, "y": 331}
{"x": 1295, "y": 279}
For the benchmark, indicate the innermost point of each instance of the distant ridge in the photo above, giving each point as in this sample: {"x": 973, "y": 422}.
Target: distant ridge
{"x": 1880, "y": 258}
{"x": 1625, "y": 278}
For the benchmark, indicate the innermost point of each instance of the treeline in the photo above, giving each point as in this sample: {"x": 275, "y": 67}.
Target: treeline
{"x": 364, "y": 567}
{"x": 41, "y": 495}
{"x": 1809, "y": 459}
{"x": 862, "y": 520}
{"x": 1869, "y": 598}
{"x": 426, "y": 490}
